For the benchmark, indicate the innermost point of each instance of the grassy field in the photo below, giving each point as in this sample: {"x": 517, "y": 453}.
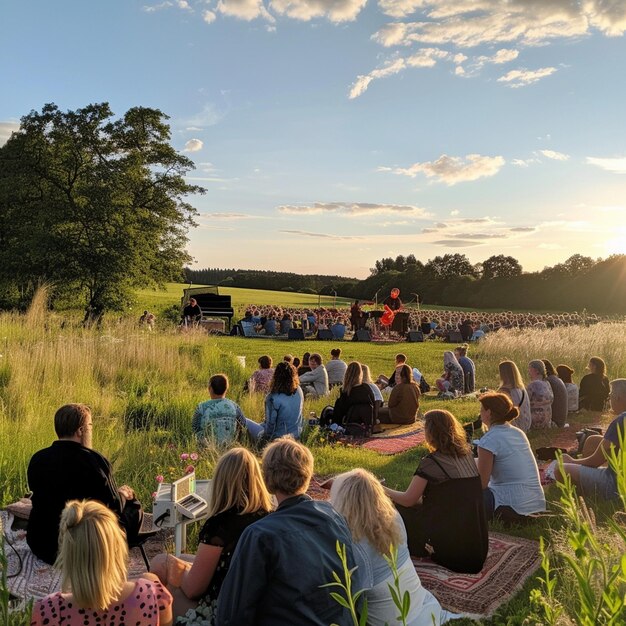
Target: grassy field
{"x": 132, "y": 378}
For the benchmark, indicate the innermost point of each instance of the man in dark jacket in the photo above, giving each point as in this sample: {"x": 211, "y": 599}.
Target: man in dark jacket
{"x": 281, "y": 561}
{"x": 70, "y": 470}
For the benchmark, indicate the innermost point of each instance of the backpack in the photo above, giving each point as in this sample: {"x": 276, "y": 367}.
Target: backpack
{"x": 424, "y": 386}
{"x": 359, "y": 421}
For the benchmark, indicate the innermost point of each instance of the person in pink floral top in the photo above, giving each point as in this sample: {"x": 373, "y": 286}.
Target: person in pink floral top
{"x": 540, "y": 395}
{"x": 261, "y": 380}
{"x": 93, "y": 558}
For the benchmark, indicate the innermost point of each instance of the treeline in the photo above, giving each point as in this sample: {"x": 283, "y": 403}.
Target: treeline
{"x": 276, "y": 281}
{"x": 498, "y": 282}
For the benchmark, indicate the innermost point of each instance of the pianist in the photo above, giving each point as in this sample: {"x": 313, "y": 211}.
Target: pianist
{"x": 70, "y": 470}
{"x": 192, "y": 312}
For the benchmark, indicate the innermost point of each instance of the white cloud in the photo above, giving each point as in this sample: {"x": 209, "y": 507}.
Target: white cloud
{"x": 306, "y": 233}
{"x": 209, "y": 17}
{"x": 354, "y": 209}
{"x": 555, "y": 156}
{"x": 184, "y": 5}
{"x": 305, "y": 10}
{"x": 616, "y": 165}
{"x": 523, "y": 77}
{"x": 453, "y": 170}
{"x": 455, "y": 212}
{"x": 524, "y": 162}
{"x": 207, "y": 117}
{"x": 152, "y": 8}
{"x": 6, "y": 128}
{"x": 362, "y": 82}
{"x": 456, "y": 243}
{"x": 523, "y": 229}
{"x": 424, "y": 57}
{"x": 194, "y": 145}
{"x": 247, "y": 10}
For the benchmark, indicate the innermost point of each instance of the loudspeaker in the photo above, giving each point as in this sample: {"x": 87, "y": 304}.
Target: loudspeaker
{"x": 415, "y": 336}
{"x": 362, "y": 335}
{"x": 455, "y": 337}
{"x": 295, "y": 333}
{"x": 325, "y": 334}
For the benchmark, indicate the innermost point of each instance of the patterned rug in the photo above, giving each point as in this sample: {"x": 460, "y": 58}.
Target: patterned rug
{"x": 510, "y": 562}
{"x": 36, "y": 579}
{"x": 395, "y": 439}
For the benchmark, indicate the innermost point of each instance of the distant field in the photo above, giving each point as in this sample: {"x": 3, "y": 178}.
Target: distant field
{"x": 159, "y": 300}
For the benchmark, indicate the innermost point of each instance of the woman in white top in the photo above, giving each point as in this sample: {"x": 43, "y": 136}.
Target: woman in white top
{"x": 507, "y": 467}
{"x": 336, "y": 368}
{"x": 375, "y": 526}
{"x": 565, "y": 374}
{"x": 367, "y": 379}
{"x": 512, "y": 385}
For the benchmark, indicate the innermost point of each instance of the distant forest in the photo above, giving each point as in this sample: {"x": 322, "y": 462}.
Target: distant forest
{"x": 580, "y": 282}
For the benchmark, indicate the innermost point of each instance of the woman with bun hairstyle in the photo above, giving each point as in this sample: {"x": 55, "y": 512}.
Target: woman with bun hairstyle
{"x": 507, "y": 467}
{"x": 442, "y": 508}
{"x": 93, "y": 559}
{"x": 376, "y": 525}
{"x": 404, "y": 401}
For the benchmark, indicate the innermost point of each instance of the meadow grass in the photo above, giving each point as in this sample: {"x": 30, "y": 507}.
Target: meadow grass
{"x": 143, "y": 388}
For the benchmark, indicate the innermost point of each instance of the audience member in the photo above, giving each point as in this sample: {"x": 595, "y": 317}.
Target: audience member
{"x": 355, "y": 404}
{"x": 93, "y": 559}
{"x": 594, "y": 387}
{"x": 281, "y": 562}
{"x": 192, "y": 313}
{"x": 468, "y": 367}
{"x": 70, "y": 470}
{"x": 295, "y": 362}
{"x": 442, "y": 508}
{"x": 283, "y": 407}
{"x": 336, "y": 368}
{"x": 559, "y": 403}
{"x": 383, "y": 382}
{"x": 286, "y": 324}
{"x": 376, "y": 526}
{"x": 315, "y": 382}
{"x": 288, "y": 358}
{"x": 261, "y": 379}
{"x": 507, "y": 467}
{"x": 218, "y": 420}
{"x": 512, "y": 385}
{"x": 565, "y": 374}
{"x": 540, "y": 395}
{"x": 147, "y": 319}
{"x": 452, "y": 379}
{"x": 404, "y": 400}
{"x": 238, "y": 498}
{"x": 586, "y": 473}
{"x": 367, "y": 378}
{"x": 305, "y": 367}
{"x": 466, "y": 329}
{"x": 338, "y": 329}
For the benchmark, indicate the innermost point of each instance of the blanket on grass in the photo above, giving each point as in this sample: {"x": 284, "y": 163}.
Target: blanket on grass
{"x": 395, "y": 439}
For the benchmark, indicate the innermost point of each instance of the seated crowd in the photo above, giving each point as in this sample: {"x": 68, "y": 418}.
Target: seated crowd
{"x": 267, "y": 548}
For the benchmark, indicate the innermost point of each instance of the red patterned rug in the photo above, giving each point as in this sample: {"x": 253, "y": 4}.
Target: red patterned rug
{"x": 510, "y": 562}
{"x": 395, "y": 439}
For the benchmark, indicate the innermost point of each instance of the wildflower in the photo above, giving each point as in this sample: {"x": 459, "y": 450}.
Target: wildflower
{"x": 154, "y": 495}
{"x": 184, "y": 456}
{"x": 194, "y": 456}
{"x": 160, "y": 478}
{"x": 189, "y": 469}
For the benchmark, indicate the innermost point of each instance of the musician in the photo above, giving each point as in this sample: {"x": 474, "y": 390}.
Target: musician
{"x": 356, "y": 316}
{"x": 393, "y": 301}
{"x": 70, "y": 470}
{"x": 192, "y": 312}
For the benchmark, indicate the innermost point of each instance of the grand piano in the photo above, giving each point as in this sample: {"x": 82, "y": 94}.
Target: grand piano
{"x": 211, "y": 303}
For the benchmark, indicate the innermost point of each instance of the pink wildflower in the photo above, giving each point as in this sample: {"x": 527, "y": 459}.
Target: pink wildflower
{"x": 194, "y": 456}
{"x": 184, "y": 456}
{"x": 160, "y": 478}
{"x": 189, "y": 469}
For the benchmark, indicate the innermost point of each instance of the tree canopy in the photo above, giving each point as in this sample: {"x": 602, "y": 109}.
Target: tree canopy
{"x": 94, "y": 205}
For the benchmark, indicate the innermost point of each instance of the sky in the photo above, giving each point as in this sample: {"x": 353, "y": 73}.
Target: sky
{"x": 331, "y": 133}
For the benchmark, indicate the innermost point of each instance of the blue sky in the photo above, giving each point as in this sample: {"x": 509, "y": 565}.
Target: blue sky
{"x": 331, "y": 133}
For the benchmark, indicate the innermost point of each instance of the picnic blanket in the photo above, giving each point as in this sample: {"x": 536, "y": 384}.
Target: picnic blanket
{"x": 29, "y": 577}
{"x": 395, "y": 438}
{"x": 510, "y": 562}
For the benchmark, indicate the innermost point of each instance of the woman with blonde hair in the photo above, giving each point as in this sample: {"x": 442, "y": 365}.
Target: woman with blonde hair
{"x": 512, "y": 385}
{"x": 238, "y": 498}
{"x": 442, "y": 508}
{"x": 506, "y": 464}
{"x": 540, "y": 395}
{"x": 93, "y": 559}
{"x": 354, "y": 408}
{"x": 376, "y": 527}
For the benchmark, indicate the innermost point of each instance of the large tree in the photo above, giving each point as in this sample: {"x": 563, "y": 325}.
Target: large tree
{"x": 500, "y": 266}
{"x": 93, "y": 204}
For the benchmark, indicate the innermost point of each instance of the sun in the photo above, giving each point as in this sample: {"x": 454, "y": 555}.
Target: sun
{"x": 617, "y": 243}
